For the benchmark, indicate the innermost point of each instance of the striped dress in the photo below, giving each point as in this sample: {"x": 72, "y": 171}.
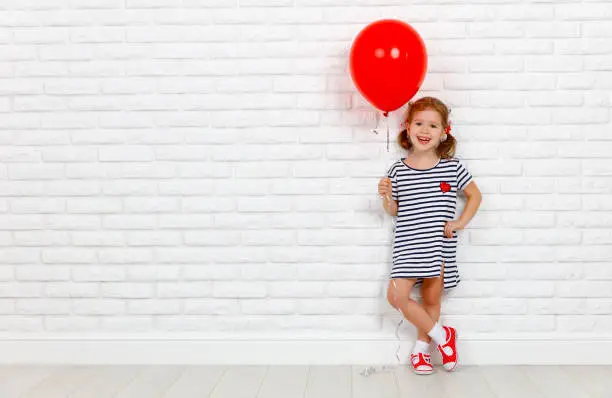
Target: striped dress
{"x": 427, "y": 199}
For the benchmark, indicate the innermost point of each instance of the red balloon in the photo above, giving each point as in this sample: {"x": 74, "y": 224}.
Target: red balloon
{"x": 388, "y": 62}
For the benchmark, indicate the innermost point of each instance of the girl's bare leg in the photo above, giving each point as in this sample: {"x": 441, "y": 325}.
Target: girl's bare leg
{"x": 398, "y": 295}
{"x": 431, "y": 293}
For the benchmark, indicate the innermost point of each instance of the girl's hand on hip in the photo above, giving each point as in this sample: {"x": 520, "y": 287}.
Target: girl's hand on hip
{"x": 452, "y": 226}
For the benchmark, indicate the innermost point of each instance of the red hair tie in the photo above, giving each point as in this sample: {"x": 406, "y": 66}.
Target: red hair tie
{"x": 447, "y": 130}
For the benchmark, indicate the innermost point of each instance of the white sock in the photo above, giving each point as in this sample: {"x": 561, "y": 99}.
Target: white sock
{"x": 420, "y": 346}
{"x": 438, "y": 334}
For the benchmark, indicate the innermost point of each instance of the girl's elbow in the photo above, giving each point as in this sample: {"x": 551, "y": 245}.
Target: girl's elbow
{"x": 479, "y": 199}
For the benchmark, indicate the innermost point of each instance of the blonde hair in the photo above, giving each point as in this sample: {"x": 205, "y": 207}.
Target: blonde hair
{"x": 446, "y": 149}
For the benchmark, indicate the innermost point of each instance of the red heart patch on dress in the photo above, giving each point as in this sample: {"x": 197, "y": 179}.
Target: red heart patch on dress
{"x": 445, "y": 187}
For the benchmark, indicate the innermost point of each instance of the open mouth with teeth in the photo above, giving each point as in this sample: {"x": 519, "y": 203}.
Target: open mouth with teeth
{"x": 423, "y": 140}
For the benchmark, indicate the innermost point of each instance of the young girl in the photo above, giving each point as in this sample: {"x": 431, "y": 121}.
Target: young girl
{"x": 421, "y": 190}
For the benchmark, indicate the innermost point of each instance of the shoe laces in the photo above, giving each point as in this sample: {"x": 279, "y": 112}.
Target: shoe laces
{"x": 415, "y": 357}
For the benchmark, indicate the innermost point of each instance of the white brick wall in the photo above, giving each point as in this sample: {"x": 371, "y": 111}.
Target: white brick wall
{"x": 207, "y": 165}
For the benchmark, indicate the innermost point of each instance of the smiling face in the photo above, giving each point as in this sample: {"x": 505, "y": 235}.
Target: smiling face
{"x": 425, "y": 130}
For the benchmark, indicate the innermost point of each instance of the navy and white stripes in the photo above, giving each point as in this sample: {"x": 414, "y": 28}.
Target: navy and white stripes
{"x": 427, "y": 199}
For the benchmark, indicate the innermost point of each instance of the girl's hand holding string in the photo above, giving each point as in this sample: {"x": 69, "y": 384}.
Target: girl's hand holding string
{"x": 385, "y": 189}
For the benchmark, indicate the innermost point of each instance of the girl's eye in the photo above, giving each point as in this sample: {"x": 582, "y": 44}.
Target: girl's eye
{"x": 433, "y": 126}
{"x": 418, "y": 123}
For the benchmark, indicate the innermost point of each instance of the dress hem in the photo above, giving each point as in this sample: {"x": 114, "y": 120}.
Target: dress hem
{"x": 419, "y": 279}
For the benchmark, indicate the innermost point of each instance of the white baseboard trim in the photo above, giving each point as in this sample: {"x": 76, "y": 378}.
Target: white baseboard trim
{"x": 256, "y": 349}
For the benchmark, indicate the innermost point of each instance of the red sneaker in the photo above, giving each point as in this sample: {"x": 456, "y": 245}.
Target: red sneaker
{"x": 421, "y": 363}
{"x": 448, "y": 350}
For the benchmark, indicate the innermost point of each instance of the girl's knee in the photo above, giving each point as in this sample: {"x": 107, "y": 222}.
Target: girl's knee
{"x": 398, "y": 292}
{"x": 432, "y": 301}
{"x": 431, "y": 295}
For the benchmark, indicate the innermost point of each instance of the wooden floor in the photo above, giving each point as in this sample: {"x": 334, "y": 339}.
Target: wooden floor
{"x": 301, "y": 382}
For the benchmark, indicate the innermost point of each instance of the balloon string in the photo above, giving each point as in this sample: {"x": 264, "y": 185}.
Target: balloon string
{"x": 375, "y": 130}
{"x": 386, "y": 121}
{"x": 385, "y": 368}
{"x": 387, "y": 137}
